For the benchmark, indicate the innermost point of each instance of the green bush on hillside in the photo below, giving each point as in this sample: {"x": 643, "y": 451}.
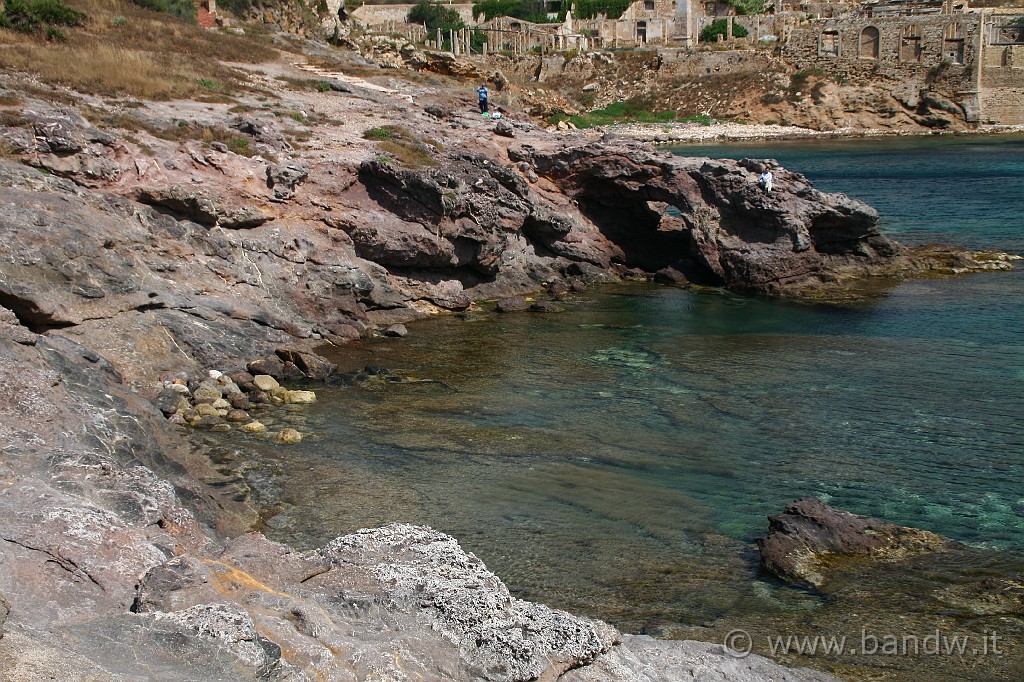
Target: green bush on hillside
{"x": 238, "y": 8}
{"x": 534, "y": 11}
{"x": 435, "y": 16}
{"x": 30, "y": 16}
{"x": 748, "y": 7}
{"x": 183, "y": 9}
{"x": 589, "y": 9}
{"x": 720, "y": 28}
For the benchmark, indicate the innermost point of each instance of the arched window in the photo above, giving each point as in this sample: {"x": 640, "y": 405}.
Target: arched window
{"x": 828, "y": 42}
{"x": 910, "y": 44}
{"x": 869, "y": 43}
{"x": 953, "y": 44}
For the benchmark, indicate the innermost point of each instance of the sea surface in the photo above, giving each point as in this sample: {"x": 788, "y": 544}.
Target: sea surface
{"x": 619, "y": 458}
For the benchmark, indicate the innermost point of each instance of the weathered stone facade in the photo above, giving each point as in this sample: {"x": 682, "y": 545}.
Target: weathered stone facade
{"x": 1001, "y": 71}
{"x": 971, "y": 60}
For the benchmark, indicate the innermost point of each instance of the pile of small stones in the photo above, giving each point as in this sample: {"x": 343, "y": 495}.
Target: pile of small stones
{"x": 219, "y": 400}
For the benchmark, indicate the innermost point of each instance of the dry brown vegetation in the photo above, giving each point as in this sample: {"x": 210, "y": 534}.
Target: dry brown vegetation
{"x": 124, "y": 50}
{"x": 403, "y": 145}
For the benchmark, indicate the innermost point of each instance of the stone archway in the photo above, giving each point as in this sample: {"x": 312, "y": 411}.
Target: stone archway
{"x": 869, "y": 43}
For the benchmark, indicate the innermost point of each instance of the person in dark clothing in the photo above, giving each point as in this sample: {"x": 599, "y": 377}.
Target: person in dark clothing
{"x": 483, "y": 92}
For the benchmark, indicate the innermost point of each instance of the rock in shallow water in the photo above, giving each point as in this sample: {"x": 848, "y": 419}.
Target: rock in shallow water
{"x": 253, "y": 427}
{"x": 511, "y": 304}
{"x": 803, "y": 542}
{"x": 265, "y": 382}
{"x": 299, "y": 397}
{"x": 288, "y": 437}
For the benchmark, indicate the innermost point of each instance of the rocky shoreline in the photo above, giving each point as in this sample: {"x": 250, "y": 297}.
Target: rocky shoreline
{"x": 698, "y": 133}
{"x": 132, "y": 264}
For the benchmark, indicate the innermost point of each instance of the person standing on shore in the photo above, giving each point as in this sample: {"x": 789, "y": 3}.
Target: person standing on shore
{"x": 483, "y": 92}
{"x": 766, "y": 180}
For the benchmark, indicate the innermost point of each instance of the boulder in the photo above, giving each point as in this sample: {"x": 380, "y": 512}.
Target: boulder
{"x": 299, "y": 397}
{"x": 512, "y": 304}
{"x": 265, "y": 382}
{"x": 270, "y": 365}
{"x": 253, "y": 427}
{"x": 284, "y": 178}
{"x": 808, "y": 541}
{"x": 311, "y": 365}
{"x": 544, "y": 307}
{"x": 504, "y": 128}
{"x": 396, "y": 331}
{"x": 288, "y": 437}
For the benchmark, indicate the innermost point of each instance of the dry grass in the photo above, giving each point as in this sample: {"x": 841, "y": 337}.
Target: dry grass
{"x": 12, "y": 119}
{"x": 181, "y": 132}
{"x": 140, "y": 54}
{"x": 405, "y": 146}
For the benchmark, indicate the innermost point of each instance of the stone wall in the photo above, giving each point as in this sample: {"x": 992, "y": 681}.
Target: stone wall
{"x": 913, "y": 53}
{"x": 386, "y": 15}
{"x": 643, "y": 22}
{"x": 684, "y": 64}
{"x": 1001, "y": 81}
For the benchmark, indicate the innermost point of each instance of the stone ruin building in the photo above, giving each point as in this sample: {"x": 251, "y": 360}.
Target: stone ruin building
{"x": 977, "y": 53}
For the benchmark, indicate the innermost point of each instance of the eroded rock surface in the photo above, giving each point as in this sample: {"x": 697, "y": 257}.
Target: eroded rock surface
{"x": 123, "y": 271}
{"x": 810, "y": 539}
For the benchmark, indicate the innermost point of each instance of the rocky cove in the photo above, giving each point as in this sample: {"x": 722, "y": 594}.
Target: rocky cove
{"x": 132, "y": 264}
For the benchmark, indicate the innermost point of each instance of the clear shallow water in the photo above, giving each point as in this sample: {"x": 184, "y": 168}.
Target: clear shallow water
{"x": 617, "y": 459}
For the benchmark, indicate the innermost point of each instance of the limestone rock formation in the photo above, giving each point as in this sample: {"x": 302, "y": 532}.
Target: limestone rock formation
{"x": 809, "y": 540}
{"x": 722, "y": 229}
{"x": 645, "y": 659}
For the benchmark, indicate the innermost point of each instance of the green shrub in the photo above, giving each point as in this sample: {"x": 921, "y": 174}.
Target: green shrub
{"x": 55, "y": 35}
{"x": 435, "y": 16}
{"x": 721, "y": 28}
{"x": 748, "y": 7}
{"x": 183, "y": 9}
{"x": 239, "y": 145}
{"x": 589, "y": 9}
{"x": 119, "y": 20}
{"x": 238, "y": 8}
{"x": 30, "y": 16}
{"x": 378, "y": 133}
{"x": 534, "y": 11}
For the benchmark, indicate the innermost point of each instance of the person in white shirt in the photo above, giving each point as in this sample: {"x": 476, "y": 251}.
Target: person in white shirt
{"x": 766, "y": 180}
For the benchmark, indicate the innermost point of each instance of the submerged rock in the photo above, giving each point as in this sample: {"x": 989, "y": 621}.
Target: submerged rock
{"x": 512, "y": 304}
{"x": 288, "y": 437}
{"x": 810, "y": 539}
{"x": 253, "y": 427}
{"x": 396, "y": 331}
{"x": 299, "y": 397}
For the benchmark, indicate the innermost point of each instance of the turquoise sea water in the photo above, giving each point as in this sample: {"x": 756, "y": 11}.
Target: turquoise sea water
{"x": 618, "y": 458}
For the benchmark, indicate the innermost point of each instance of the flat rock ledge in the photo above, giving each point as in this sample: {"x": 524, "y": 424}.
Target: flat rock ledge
{"x": 403, "y": 602}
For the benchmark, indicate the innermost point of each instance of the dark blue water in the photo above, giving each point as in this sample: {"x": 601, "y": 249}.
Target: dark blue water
{"x": 618, "y": 458}
{"x": 962, "y": 190}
